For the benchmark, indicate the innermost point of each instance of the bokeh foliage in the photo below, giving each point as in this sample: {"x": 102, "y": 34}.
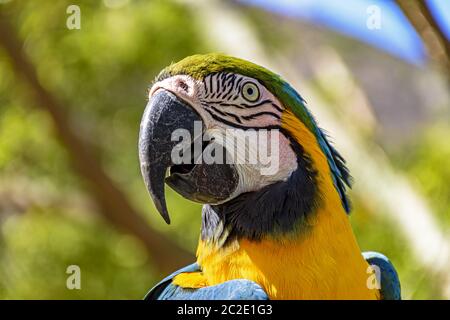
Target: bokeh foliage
{"x": 102, "y": 72}
{"x": 47, "y": 219}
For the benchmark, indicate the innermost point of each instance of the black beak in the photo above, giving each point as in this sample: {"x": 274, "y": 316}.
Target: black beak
{"x": 203, "y": 183}
{"x": 164, "y": 114}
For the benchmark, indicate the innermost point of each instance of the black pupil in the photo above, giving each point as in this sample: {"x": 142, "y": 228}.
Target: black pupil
{"x": 250, "y": 91}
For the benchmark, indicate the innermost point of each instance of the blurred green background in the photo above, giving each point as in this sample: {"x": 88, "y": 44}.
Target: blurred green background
{"x": 52, "y": 213}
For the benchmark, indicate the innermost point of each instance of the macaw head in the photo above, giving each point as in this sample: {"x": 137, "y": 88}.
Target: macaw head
{"x": 236, "y": 137}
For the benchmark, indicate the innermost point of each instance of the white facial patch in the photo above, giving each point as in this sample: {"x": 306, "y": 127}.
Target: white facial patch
{"x": 261, "y": 157}
{"x": 239, "y": 101}
{"x": 243, "y": 116}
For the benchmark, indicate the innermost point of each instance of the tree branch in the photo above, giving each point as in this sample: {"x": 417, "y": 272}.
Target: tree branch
{"x": 421, "y": 18}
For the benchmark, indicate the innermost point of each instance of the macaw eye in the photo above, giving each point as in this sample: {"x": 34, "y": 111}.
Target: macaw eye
{"x": 250, "y": 91}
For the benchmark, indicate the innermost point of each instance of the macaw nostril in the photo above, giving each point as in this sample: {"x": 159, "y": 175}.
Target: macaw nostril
{"x": 183, "y": 85}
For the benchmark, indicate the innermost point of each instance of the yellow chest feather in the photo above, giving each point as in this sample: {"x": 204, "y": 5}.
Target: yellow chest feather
{"x": 318, "y": 265}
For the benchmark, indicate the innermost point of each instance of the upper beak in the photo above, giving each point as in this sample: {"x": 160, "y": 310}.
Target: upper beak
{"x": 164, "y": 114}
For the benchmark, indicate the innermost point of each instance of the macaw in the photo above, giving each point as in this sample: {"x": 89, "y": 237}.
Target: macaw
{"x": 283, "y": 234}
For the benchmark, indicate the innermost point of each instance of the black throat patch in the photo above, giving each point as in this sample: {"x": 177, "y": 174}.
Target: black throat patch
{"x": 276, "y": 209}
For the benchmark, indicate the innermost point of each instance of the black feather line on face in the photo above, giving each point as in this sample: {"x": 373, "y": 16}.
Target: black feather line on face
{"x": 262, "y": 113}
{"x": 275, "y": 210}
